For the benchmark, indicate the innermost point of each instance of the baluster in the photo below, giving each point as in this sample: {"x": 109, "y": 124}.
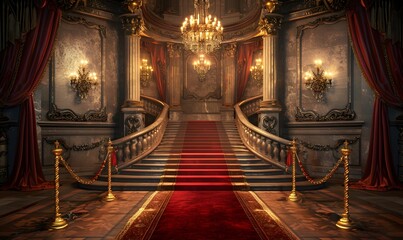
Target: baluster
{"x": 149, "y": 139}
{"x": 133, "y": 149}
{"x": 263, "y": 145}
{"x": 258, "y": 145}
{"x": 254, "y": 141}
{"x": 283, "y": 153}
{"x": 127, "y": 151}
{"x": 139, "y": 145}
{"x": 276, "y": 151}
{"x": 119, "y": 154}
{"x": 269, "y": 148}
{"x": 145, "y": 143}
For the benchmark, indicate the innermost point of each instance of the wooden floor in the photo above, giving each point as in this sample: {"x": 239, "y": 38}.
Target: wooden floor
{"x": 26, "y": 215}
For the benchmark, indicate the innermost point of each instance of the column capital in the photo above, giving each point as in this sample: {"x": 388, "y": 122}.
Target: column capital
{"x": 174, "y": 49}
{"x": 132, "y": 23}
{"x": 270, "y": 23}
{"x": 230, "y": 49}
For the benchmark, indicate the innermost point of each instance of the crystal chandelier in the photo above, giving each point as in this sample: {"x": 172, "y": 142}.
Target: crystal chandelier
{"x": 202, "y": 66}
{"x": 318, "y": 81}
{"x": 257, "y": 72}
{"x": 201, "y": 33}
{"x": 83, "y": 81}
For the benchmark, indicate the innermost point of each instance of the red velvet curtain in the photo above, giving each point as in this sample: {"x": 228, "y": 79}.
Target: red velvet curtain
{"x": 158, "y": 62}
{"x": 244, "y": 62}
{"x": 380, "y": 61}
{"x": 22, "y": 65}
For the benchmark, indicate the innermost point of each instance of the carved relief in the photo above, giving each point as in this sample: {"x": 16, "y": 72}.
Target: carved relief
{"x": 269, "y": 124}
{"x": 134, "y": 123}
{"x": 174, "y": 49}
{"x": 333, "y": 115}
{"x": 132, "y": 24}
{"x": 56, "y": 114}
{"x": 230, "y": 49}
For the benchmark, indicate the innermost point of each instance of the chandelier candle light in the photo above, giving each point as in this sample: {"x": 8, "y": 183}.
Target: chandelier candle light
{"x": 202, "y": 66}
{"x": 318, "y": 81}
{"x": 83, "y": 80}
{"x": 257, "y": 72}
{"x": 145, "y": 73}
{"x": 201, "y": 32}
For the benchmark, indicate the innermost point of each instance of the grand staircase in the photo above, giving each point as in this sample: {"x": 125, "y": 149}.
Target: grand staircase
{"x": 201, "y": 165}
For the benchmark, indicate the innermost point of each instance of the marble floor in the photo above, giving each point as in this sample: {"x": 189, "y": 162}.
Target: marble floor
{"x": 27, "y": 215}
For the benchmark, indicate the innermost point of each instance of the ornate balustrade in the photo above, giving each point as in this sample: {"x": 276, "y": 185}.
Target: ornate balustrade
{"x": 267, "y": 146}
{"x": 135, "y": 146}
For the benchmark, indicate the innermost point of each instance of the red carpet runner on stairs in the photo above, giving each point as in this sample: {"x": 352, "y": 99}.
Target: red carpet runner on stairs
{"x": 203, "y": 205}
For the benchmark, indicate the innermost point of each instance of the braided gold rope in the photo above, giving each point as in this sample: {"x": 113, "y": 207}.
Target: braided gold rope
{"x": 325, "y": 178}
{"x": 78, "y": 178}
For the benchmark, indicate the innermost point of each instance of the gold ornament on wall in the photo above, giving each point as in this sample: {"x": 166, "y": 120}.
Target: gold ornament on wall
{"x": 202, "y": 66}
{"x": 83, "y": 81}
{"x": 257, "y": 72}
{"x": 145, "y": 73}
{"x": 318, "y": 80}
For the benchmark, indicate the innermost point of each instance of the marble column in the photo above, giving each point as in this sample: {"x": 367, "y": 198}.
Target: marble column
{"x": 175, "y": 52}
{"x": 133, "y": 109}
{"x": 270, "y": 107}
{"x": 229, "y": 72}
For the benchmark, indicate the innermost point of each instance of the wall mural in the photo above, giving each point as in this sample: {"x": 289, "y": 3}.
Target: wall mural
{"x": 88, "y": 46}
{"x": 337, "y": 57}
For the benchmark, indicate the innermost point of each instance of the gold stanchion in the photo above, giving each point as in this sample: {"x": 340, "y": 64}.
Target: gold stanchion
{"x": 110, "y": 197}
{"x": 345, "y": 222}
{"x": 59, "y": 222}
{"x": 293, "y": 195}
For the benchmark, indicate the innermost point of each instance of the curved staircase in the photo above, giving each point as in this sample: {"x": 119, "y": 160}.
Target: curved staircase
{"x": 206, "y": 162}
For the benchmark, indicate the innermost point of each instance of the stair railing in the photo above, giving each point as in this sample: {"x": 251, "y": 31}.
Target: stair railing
{"x": 267, "y": 146}
{"x": 135, "y": 146}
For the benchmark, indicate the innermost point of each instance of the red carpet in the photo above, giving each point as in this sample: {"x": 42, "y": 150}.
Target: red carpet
{"x": 203, "y": 205}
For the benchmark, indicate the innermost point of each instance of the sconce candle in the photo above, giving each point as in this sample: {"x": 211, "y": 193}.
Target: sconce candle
{"x": 257, "y": 72}
{"x": 318, "y": 81}
{"x": 202, "y": 66}
{"x": 83, "y": 80}
{"x": 145, "y": 73}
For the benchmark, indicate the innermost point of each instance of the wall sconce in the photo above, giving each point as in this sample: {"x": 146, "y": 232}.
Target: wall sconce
{"x": 83, "y": 80}
{"x": 202, "y": 66}
{"x": 318, "y": 81}
{"x": 257, "y": 72}
{"x": 145, "y": 73}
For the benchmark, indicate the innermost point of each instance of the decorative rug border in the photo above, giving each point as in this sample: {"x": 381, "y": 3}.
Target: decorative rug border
{"x": 261, "y": 216}
{"x": 147, "y": 217}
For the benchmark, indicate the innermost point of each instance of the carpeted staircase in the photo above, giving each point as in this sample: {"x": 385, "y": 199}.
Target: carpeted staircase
{"x": 201, "y": 166}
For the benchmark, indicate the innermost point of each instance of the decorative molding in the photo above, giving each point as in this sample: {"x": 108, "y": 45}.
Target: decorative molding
{"x": 336, "y": 114}
{"x": 187, "y": 95}
{"x": 345, "y": 114}
{"x": 77, "y": 20}
{"x": 56, "y": 114}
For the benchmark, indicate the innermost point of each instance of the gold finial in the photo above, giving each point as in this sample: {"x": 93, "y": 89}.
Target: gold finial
{"x": 346, "y": 144}
{"x": 57, "y": 144}
{"x": 271, "y": 5}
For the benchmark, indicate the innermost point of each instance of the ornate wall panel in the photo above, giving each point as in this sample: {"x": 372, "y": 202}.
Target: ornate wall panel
{"x": 202, "y": 96}
{"x": 78, "y": 39}
{"x": 325, "y": 39}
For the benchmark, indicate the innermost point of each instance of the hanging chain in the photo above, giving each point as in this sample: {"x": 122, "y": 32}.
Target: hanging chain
{"x": 77, "y": 148}
{"x": 325, "y": 178}
{"x": 78, "y": 178}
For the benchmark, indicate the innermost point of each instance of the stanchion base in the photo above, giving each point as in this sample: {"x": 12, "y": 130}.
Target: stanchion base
{"x": 59, "y": 223}
{"x": 109, "y": 197}
{"x": 345, "y": 223}
{"x": 293, "y": 197}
